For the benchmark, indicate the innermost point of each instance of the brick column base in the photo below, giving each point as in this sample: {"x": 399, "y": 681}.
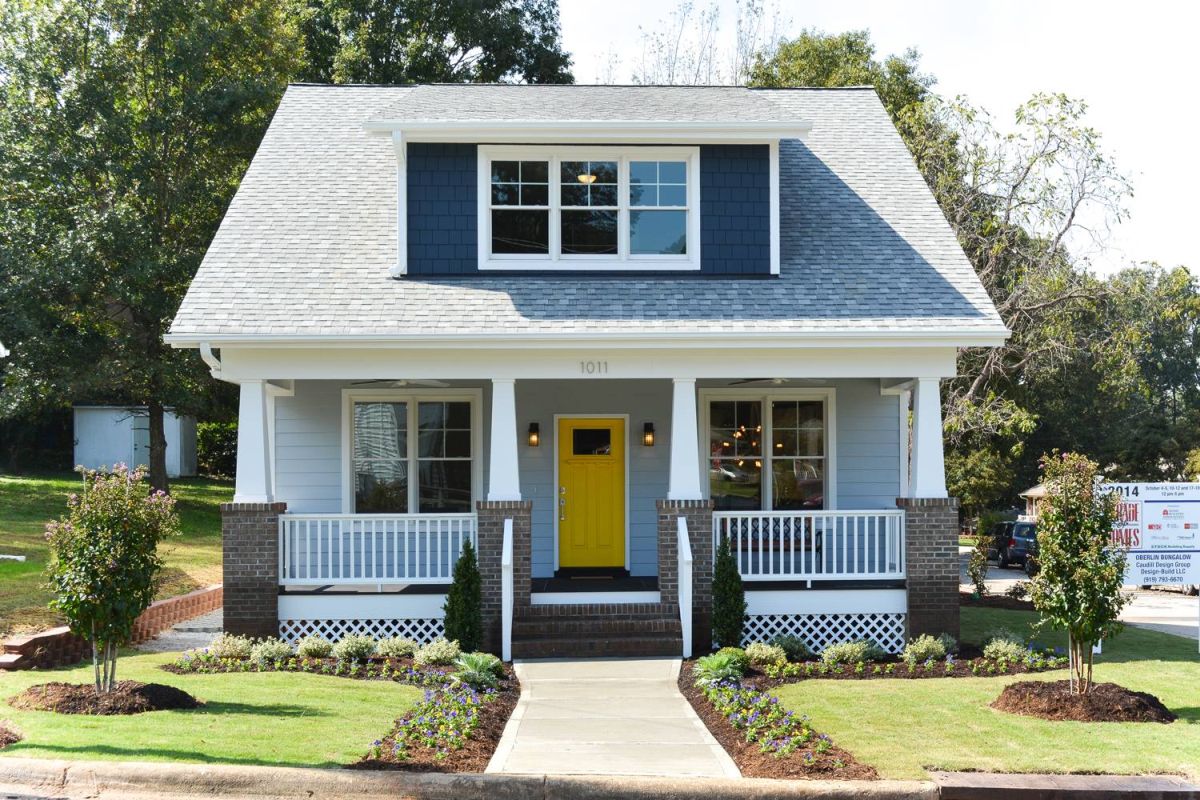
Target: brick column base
{"x": 490, "y": 515}
{"x": 250, "y": 546}
{"x": 698, "y": 514}
{"x": 931, "y": 555}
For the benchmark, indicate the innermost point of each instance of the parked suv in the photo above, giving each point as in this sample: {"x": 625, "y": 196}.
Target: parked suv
{"x": 1012, "y": 543}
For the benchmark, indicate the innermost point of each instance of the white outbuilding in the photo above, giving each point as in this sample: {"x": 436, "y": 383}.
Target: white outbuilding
{"x": 107, "y": 435}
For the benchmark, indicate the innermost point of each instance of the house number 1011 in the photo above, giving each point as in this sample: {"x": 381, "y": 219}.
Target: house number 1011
{"x": 593, "y": 367}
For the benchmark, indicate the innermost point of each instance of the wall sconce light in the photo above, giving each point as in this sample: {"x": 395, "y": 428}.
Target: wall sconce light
{"x": 648, "y": 434}
{"x": 534, "y": 436}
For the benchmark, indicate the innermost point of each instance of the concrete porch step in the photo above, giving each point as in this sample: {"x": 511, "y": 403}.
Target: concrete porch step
{"x": 597, "y": 647}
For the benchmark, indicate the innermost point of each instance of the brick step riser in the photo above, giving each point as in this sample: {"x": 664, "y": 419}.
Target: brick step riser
{"x": 602, "y": 610}
{"x": 595, "y": 648}
{"x": 542, "y": 628}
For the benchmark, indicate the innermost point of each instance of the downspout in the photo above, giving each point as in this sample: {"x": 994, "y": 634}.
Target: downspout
{"x": 214, "y": 363}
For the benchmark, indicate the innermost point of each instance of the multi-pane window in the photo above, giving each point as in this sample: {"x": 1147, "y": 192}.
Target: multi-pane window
{"x": 520, "y": 207}
{"x": 396, "y": 473}
{"x": 580, "y": 209}
{"x": 767, "y": 454}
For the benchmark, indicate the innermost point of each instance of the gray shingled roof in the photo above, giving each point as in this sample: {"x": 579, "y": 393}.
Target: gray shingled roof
{"x": 460, "y": 102}
{"x": 306, "y": 244}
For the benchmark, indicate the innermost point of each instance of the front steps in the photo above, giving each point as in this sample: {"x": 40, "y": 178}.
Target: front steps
{"x": 597, "y": 629}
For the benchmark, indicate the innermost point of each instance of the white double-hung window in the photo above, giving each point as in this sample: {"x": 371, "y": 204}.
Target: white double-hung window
{"x": 586, "y": 208}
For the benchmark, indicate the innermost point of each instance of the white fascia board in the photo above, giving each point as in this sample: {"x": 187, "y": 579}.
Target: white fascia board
{"x": 632, "y": 131}
{"x": 986, "y": 337}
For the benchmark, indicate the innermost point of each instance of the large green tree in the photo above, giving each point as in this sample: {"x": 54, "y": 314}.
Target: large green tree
{"x": 415, "y": 41}
{"x": 124, "y": 130}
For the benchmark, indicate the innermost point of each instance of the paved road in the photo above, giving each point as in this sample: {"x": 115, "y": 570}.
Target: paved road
{"x": 1165, "y": 611}
{"x": 607, "y": 717}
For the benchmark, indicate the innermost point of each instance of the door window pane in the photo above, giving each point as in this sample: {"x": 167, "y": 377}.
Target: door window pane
{"x": 591, "y": 441}
{"x": 380, "y": 458}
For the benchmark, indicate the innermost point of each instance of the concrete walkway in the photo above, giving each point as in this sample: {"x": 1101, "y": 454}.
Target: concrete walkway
{"x": 189, "y": 634}
{"x": 607, "y": 717}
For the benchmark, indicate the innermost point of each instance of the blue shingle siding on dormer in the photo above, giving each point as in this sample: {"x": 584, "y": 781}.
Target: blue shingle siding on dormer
{"x": 735, "y": 225}
{"x": 442, "y": 209}
{"x": 735, "y": 209}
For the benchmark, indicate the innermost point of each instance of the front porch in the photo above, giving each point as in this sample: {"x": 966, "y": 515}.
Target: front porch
{"x": 370, "y": 488}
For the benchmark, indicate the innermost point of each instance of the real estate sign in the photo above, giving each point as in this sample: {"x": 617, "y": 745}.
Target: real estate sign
{"x": 1159, "y": 523}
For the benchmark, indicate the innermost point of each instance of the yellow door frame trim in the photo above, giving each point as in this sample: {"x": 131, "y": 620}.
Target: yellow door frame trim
{"x": 554, "y": 494}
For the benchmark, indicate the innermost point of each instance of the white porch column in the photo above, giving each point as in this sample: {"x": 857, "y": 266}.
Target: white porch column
{"x": 254, "y": 446}
{"x": 685, "y": 452}
{"x": 504, "y": 480}
{"x": 928, "y": 477}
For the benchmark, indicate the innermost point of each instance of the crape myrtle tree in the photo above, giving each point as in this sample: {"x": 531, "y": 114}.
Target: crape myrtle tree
{"x": 104, "y": 560}
{"x": 1081, "y": 571}
{"x": 124, "y": 130}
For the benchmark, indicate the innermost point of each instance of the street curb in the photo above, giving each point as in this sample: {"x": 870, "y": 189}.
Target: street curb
{"x": 125, "y": 778}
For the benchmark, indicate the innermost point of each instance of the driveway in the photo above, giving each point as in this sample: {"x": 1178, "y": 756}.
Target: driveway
{"x": 1164, "y": 611}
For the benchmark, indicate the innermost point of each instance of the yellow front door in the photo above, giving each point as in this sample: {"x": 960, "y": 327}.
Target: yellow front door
{"x": 591, "y": 492}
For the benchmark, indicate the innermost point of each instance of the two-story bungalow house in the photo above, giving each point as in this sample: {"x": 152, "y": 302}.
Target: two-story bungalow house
{"x": 592, "y": 329}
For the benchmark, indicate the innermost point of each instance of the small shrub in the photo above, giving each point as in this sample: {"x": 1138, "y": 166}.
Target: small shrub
{"x": 948, "y": 642}
{"x": 1018, "y": 591}
{"x": 478, "y": 670}
{"x": 230, "y": 645}
{"x": 923, "y": 648}
{"x": 464, "y": 602}
{"x": 739, "y": 654}
{"x": 793, "y": 647}
{"x": 724, "y": 665}
{"x": 314, "y": 646}
{"x": 851, "y": 652}
{"x": 1004, "y": 650}
{"x": 354, "y": 648}
{"x": 396, "y": 647}
{"x": 269, "y": 651}
{"x": 439, "y": 652}
{"x": 728, "y": 598}
{"x": 761, "y": 654}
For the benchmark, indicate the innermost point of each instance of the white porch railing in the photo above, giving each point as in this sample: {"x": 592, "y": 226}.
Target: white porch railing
{"x": 684, "y": 546}
{"x": 506, "y": 592}
{"x": 814, "y": 545}
{"x": 371, "y": 549}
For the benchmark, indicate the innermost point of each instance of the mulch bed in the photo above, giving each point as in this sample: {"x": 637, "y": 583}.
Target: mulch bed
{"x": 129, "y": 697}
{"x": 969, "y": 664}
{"x": 8, "y": 736}
{"x": 835, "y": 763}
{"x": 476, "y": 751}
{"x": 1107, "y": 702}
{"x": 994, "y": 601}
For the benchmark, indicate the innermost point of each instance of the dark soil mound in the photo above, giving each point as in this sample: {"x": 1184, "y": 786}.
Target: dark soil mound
{"x": 8, "y": 736}
{"x": 129, "y": 697}
{"x": 1107, "y": 702}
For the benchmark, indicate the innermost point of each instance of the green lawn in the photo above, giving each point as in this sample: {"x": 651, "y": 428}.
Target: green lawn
{"x": 903, "y": 727}
{"x": 253, "y": 718}
{"x": 27, "y": 503}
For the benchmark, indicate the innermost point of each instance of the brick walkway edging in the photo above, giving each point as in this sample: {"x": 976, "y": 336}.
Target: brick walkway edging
{"x": 112, "y": 779}
{"x": 59, "y": 647}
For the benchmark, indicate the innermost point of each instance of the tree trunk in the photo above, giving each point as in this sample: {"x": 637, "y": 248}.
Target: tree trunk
{"x": 95, "y": 658}
{"x": 158, "y": 447}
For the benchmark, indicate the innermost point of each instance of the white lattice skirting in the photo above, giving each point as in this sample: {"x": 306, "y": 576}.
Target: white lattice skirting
{"x": 819, "y": 630}
{"x": 420, "y": 630}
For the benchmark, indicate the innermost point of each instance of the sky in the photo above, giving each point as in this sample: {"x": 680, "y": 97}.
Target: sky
{"x": 1133, "y": 63}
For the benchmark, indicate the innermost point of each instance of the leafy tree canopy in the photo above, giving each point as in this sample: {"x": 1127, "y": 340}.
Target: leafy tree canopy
{"x": 414, "y": 41}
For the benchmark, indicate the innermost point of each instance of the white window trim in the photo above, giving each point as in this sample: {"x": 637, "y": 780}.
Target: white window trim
{"x": 556, "y": 262}
{"x": 412, "y": 396}
{"x": 828, "y": 396}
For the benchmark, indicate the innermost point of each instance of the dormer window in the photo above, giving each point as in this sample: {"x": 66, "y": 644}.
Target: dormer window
{"x": 589, "y": 209}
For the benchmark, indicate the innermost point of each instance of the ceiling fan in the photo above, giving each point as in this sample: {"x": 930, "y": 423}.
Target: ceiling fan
{"x": 399, "y": 384}
{"x": 777, "y": 381}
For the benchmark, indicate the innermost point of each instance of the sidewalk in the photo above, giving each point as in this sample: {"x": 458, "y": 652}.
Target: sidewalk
{"x": 607, "y": 717}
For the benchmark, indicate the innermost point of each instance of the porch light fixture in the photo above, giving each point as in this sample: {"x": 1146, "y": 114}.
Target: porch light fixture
{"x": 648, "y": 434}
{"x": 534, "y": 435}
